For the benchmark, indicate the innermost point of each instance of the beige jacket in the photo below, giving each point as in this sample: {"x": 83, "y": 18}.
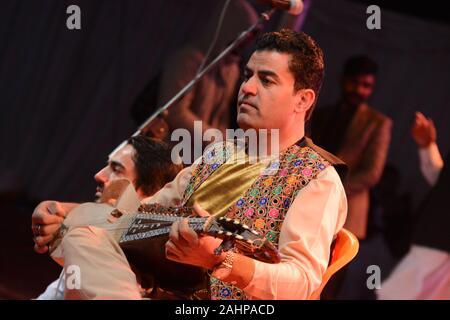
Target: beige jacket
{"x": 364, "y": 149}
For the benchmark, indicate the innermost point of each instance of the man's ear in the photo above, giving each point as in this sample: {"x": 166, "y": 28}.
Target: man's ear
{"x": 305, "y": 99}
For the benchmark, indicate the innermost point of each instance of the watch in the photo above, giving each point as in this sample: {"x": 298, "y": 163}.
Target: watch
{"x": 223, "y": 270}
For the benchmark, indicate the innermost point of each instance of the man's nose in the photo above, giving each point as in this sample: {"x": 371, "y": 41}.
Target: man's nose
{"x": 249, "y": 87}
{"x": 361, "y": 89}
{"x": 101, "y": 176}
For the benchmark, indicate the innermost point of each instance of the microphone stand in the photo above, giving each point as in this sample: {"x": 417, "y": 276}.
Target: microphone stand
{"x": 265, "y": 16}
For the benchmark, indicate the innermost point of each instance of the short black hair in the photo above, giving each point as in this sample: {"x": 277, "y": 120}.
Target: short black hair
{"x": 360, "y": 65}
{"x": 153, "y": 163}
{"x": 306, "y": 63}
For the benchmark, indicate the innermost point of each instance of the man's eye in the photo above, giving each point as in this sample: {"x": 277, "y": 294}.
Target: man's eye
{"x": 245, "y": 77}
{"x": 116, "y": 168}
{"x": 265, "y": 81}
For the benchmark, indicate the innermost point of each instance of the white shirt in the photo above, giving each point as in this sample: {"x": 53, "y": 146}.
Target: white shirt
{"x": 431, "y": 163}
{"x": 55, "y": 290}
{"x": 311, "y": 223}
{"x": 424, "y": 273}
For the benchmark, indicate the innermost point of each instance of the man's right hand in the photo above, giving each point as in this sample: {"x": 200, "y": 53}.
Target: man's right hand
{"x": 46, "y": 221}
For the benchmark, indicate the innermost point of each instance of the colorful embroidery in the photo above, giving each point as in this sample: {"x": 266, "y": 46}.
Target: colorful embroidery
{"x": 269, "y": 197}
{"x": 213, "y": 159}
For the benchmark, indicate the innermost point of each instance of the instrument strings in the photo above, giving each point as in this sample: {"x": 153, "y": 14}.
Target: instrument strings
{"x": 125, "y": 225}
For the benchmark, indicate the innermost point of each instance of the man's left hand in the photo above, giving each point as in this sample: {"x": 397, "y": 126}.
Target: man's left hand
{"x": 186, "y": 246}
{"x": 423, "y": 131}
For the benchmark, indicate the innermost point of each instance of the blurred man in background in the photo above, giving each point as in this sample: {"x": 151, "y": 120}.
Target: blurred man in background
{"x": 357, "y": 134}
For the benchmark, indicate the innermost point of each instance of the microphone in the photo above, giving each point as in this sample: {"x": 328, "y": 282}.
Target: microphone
{"x": 293, "y": 7}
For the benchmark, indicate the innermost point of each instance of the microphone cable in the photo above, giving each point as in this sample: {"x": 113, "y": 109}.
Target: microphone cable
{"x": 216, "y": 35}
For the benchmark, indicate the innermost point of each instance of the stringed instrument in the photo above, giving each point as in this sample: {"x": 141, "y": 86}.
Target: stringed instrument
{"x": 143, "y": 230}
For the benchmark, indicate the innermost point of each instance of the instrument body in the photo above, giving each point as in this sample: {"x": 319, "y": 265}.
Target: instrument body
{"x": 143, "y": 230}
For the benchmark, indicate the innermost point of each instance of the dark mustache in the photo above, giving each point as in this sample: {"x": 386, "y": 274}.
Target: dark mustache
{"x": 244, "y": 100}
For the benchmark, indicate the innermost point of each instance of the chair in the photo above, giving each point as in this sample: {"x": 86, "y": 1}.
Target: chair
{"x": 345, "y": 248}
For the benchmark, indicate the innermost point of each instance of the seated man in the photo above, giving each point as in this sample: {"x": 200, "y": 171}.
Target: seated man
{"x": 294, "y": 198}
{"x": 146, "y": 162}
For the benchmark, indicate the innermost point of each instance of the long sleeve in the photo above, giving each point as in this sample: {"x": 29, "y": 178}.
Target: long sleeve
{"x": 370, "y": 169}
{"x": 431, "y": 163}
{"x": 314, "y": 218}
